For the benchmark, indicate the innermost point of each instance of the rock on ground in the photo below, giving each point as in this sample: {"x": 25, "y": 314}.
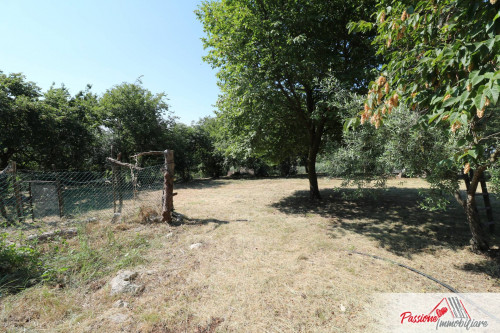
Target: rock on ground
{"x": 68, "y": 233}
{"x": 120, "y": 304}
{"x": 122, "y": 283}
{"x": 195, "y": 246}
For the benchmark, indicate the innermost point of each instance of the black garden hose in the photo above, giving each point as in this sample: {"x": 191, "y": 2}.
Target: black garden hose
{"x": 430, "y": 278}
{"x": 407, "y": 267}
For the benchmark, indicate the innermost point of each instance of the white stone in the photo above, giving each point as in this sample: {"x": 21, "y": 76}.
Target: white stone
{"x": 120, "y": 304}
{"x": 68, "y": 233}
{"x": 195, "y": 246}
{"x": 121, "y": 283}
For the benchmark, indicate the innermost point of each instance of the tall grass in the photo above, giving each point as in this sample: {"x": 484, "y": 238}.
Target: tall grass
{"x": 90, "y": 257}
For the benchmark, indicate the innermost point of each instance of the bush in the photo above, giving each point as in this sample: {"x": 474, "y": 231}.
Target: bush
{"x": 20, "y": 266}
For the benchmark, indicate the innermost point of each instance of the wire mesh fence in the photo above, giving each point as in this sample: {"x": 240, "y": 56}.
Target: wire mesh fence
{"x": 116, "y": 193}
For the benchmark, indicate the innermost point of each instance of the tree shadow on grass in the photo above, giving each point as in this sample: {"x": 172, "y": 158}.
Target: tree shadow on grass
{"x": 191, "y": 221}
{"x": 197, "y": 222}
{"x": 393, "y": 218}
{"x": 487, "y": 266}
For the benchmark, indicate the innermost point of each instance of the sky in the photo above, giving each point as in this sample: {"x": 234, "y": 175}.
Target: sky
{"x": 108, "y": 42}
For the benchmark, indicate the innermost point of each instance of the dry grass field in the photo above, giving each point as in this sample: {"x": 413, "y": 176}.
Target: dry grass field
{"x": 269, "y": 261}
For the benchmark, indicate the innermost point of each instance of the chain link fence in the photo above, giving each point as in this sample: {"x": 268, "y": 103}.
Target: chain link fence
{"x": 117, "y": 193}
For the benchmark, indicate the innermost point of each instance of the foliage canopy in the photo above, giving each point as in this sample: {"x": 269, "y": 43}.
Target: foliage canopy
{"x": 442, "y": 60}
{"x": 273, "y": 58}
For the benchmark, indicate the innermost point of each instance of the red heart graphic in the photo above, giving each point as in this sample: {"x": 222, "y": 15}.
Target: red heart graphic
{"x": 441, "y": 311}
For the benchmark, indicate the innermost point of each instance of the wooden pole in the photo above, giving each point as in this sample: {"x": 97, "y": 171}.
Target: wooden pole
{"x": 168, "y": 186}
{"x": 119, "y": 184}
{"x": 17, "y": 191}
{"x": 113, "y": 168}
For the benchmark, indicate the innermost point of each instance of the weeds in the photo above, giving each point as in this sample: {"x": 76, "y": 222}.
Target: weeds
{"x": 95, "y": 255}
{"x": 20, "y": 266}
{"x": 70, "y": 264}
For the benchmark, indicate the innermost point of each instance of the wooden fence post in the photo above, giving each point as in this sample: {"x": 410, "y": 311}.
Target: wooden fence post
{"x": 119, "y": 184}
{"x": 168, "y": 186}
{"x": 113, "y": 170}
{"x": 17, "y": 191}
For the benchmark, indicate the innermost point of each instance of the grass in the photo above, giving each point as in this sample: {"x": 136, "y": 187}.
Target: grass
{"x": 270, "y": 261}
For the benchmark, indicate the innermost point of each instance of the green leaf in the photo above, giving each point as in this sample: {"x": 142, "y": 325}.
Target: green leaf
{"x": 449, "y": 101}
{"x": 458, "y": 158}
{"x": 436, "y": 99}
{"x": 473, "y": 74}
{"x": 433, "y": 117}
{"x": 490, "y": 43}
{"x": 472, "y": 153}
{"x": 351, "y": 123}
{"x": 463, "y": 118}
{"x": 446, "y": 162}
{"x": 479, "y": 100}
{"x": 463, "y": 98}
{"x": 494, "y": 92}
{"x": 476, "y": 80}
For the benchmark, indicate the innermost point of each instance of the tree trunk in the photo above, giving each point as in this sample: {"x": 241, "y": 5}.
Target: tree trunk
{"x": 479, "y": 240}
{"x": 3, "y": 211}
{"x": 311, "y": 174}
{"x": 5, "y": 156}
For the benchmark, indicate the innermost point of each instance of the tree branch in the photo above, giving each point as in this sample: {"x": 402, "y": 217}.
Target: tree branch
{"x": 148, "y": 153}
{"x": 128, "y": 165}
{"x": 489, "y": 136}
{"x": 459, "y": 198}
{"x": 292, "y": 104}
{"x": 494, "y": 156}
{"x": 7, "y": 169}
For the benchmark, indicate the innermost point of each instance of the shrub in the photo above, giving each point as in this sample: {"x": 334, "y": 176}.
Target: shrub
{"x": 20, "y": 266}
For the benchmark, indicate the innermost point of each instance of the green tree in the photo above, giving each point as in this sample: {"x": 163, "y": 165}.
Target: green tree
{"x": 179, "y": 139}
{"x": 19, "y": 111}
{"x": 210, "y": 161}
{"x": 33, "y": 121}
{"x": 73, "y": 123}
{"x": 272, "y": 58}
{"x": 136, "y": 118}
{"x": 368, "y": 156}
{"x": 442, "y": 59}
